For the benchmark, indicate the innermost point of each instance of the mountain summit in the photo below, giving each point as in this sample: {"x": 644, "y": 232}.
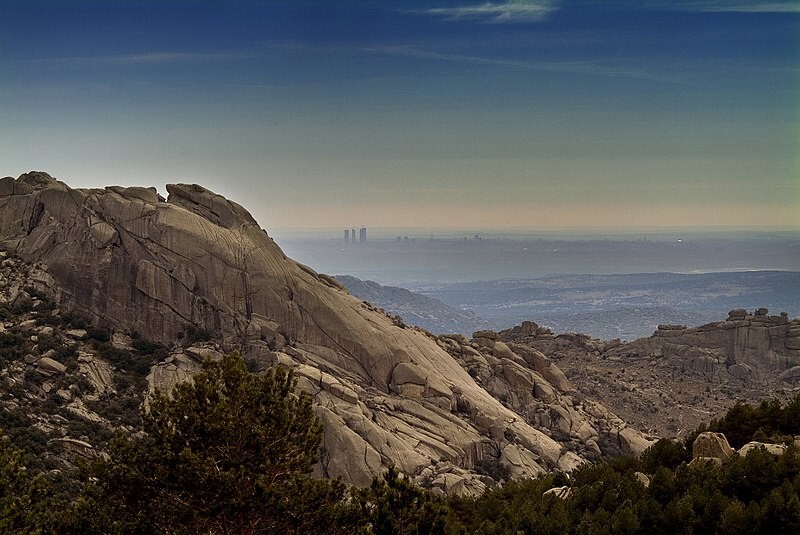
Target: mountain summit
{"x": 134, "y": 262}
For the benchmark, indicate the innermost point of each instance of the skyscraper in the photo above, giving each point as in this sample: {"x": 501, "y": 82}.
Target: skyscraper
{"x": 346, "y": 235}
{"x": 362, "y": 235}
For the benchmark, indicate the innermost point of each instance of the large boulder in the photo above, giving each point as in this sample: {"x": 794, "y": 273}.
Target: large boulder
{"x": 774, "y": 449}
{"x": 711, "y": 445}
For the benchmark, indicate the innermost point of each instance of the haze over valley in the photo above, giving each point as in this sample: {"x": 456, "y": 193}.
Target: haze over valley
{"x": 614, "y": 287}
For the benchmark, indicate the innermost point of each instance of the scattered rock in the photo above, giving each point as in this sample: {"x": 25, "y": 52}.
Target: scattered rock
{"x": 642, "y": 478}
{"x": 562, "y": 493}
{"x": 77, "y": 447}
{"x": 50, "y": 366}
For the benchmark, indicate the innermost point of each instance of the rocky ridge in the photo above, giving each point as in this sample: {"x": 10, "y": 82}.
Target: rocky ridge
{"x": 197, "y": 265}
{"x": 680, "y": 376}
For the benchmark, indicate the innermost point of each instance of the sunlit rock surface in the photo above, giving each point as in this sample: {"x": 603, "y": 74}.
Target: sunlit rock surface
{"x": 197, "y": 265}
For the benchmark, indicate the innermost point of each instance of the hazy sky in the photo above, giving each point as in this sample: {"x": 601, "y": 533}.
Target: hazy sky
{"x": 538, "y": 114}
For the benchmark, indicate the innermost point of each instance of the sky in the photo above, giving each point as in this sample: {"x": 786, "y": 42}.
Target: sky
{"x": 426, "y": 114}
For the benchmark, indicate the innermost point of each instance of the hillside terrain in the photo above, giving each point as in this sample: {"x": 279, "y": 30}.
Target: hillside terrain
{"x": 110, "y": 293}
{"x": 106, "y": 295}
{"x": 415, "y": 308}
{"x": 673, "y": 381}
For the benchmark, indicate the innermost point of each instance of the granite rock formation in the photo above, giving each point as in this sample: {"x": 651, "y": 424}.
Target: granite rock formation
{"x": 197, "y": 265}
{"x": 680, "y": 376}
{"x": 744, "y": 346}
{"x": 710, "y": 445}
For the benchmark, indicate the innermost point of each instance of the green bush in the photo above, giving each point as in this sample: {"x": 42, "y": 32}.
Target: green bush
{"x": 98, "y": 333}
{"x": 196, "y": 334}
{"x": 73, "y": 320}
{"x": 13, "y": 346}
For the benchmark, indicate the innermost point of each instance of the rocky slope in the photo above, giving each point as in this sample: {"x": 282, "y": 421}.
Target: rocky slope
{"x": 198, "y": 266}
{"x": 679, "y": 377}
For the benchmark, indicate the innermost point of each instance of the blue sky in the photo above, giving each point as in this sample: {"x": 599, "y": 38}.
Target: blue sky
{"x": 539, "y": 114}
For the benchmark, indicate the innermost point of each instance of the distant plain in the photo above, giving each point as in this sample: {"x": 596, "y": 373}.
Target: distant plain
{"x": 612, "y": 286}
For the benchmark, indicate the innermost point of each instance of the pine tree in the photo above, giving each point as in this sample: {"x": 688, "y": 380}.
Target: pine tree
{"x": 20, "y": 493}
{"x": 228, "y": 452}
{"x": 393, "y": 505}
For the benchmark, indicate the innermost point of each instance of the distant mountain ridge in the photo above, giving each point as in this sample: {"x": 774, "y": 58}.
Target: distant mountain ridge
{"x": 416, "y": 308}
{"x": 604, "y": 306}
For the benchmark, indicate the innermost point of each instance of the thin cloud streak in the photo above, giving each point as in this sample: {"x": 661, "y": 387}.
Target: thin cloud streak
{"x": 573, "y": 67}
{"x": 753, "y": 6}
{"x": 154, "y": 58}
{"x": 495, "y": 13}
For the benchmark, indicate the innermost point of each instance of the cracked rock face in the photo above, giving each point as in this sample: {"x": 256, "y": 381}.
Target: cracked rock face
{"x": 199, "y": 263}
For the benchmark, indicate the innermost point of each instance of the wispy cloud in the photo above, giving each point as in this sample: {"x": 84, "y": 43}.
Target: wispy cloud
{"x": 733, "y": 6}
{"x": 496, "y": 13}
{"x": 578, "y": 67}
{"x": 154, "y": 58}
{"x": 169, "y": 57}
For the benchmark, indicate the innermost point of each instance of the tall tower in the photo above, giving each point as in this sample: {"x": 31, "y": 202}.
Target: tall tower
{"x": 346, "y": 235}
{"x": 362, "y": 234}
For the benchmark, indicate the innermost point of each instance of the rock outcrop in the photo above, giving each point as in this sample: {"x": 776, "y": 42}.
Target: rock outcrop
{"x": 774, "y": 449}
{"x": 714, "y": 447}
{"x": 680, "y": 377}
{"x": 710, "y": 445}
{"x": 744, "y": 347}
{"x": 526, "y": 381}
{"x": 198, "y": 266}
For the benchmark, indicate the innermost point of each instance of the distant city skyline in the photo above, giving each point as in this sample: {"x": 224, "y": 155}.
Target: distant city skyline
{"x": 350, "y": 235}
{"x": 539, "y": 114}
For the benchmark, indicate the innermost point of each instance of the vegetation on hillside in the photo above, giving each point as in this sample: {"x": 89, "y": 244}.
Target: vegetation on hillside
{"x": 232, "y": 452}
{"x": 229, "y": 452}
{"x": 756, "y": 493}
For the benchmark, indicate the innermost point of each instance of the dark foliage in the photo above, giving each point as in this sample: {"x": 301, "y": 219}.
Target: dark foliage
{"x": 392, "y": 505}
{"x": 767, "y": 422}
{"x": 756, "y": 493}
{"x": 13, "y": 346}
{"x": 5, "y": 312}
{"x": 196, "y": 334}
{"x": 228, "y": 453}
{"x": 98, "y": 333}
{"x": 18, "y": 427}
{"x": 231, "y": 453}
{"x": 72, "y": 320}
{"x": 21, "y": 493}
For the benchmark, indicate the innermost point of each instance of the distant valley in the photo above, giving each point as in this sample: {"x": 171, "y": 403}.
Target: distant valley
{"x": 415, "y": 308}
{"x": 627, "y": 306}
